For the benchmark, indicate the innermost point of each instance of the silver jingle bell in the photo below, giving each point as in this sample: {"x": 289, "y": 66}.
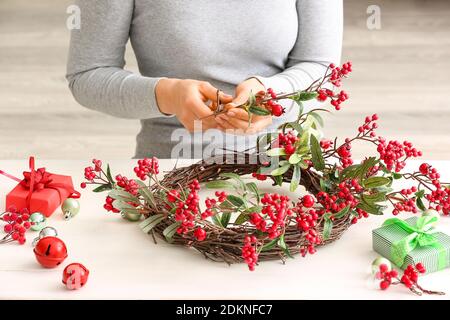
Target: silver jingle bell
{"x": 70, "y": 208}
{"x": 48, "y": 232}
{"x": 45, "y": 232}
{"x": 38, "y": 221}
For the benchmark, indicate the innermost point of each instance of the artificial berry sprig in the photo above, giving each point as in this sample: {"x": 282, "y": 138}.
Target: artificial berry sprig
{"x": 16, "y": 225}
{"x": 409, "y": 278}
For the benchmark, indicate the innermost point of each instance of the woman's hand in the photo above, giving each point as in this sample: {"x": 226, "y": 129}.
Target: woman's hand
{"x": 237, "y": 118}
{"x": 186, "y": 99}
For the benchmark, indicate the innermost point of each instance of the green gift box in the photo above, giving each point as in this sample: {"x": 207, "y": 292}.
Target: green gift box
{"x": 412, "y": 241}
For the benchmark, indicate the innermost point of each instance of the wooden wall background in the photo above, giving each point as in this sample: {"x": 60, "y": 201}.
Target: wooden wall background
{"x": 402, "y": 72}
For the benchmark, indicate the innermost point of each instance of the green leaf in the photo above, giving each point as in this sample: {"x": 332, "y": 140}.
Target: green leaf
{"x": 420, "y": 193}
{"x": 243, "y": 217}
{"x": 235, "y": 177}
{"x": 145, "y": 192}
{"x": 220, "y": 184}
{"x": 122, "y": 205}
{"x": 318, "y": 118}
{"x": 396, "y": 175}
{"x": 295, "y": 158}
{"x": 170, "y": 231}
{"x": 109, "y": 175}
{"x": 103, "y": 187}
{"x": 278, "y": 180}
{"x": 148, "y": 224}
{"x": 375, "y": 197}
{"x": 251, "y": 99}
{"x": 226, "y": 216}
{"x": 123, "y": 195}
{"x": 275, "y": 152}
{"x": 282, "y": 244}
{"x": 374, "y": 182}
{"x": 324, "y": 185}
{"x": 420, "y": 204}
{"x": 306, "y": 96}
{"x": 359, "y": 170}
{"x": 370, "y": 206}
{"x": 296, "y": 126}
{"x": 259, "y": 111}
{"x": 317, "y": 156}
{"x": 281, "y": 170}
{"x": 342, "y": 213}
{"x": 327, "y": 227}
{"x": 235, "y": 200}
{"x": 295, "y": 181}
{"x": 216, "y": 220}
{"x": 269, "y": 245}
{"x": 254, "y": 189}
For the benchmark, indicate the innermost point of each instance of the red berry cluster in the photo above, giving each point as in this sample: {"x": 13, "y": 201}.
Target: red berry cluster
{"x": 335, "y": 77}
{"x": 276, "y": 207}
{"x": 386, "y": 276}
{"x": 97, "y": 165}
{"x": 394, "y": 154}
{"x": 345, "y": 154}
{"x": 408, "y": 279}
{"x": 408, "y": 204}
{"x": 108, "y": 206}
{"x": 275, "y": 109}
{"x": 249, "y": 252}
{"x": 259, "y": 176}
{"x": 336, "y": 98}
{"x": 90, "y": 174}
{"x": 338, "y": 73}
{"x": 200, "y": 234}
{"x": 146, "y": 167}
{"x": 16, "y": 225}
{"x": 287, "y": 141}
{"x": 307, "y": 220}
{"x": 370, "y": 124}
{"x": 129, "y": 185}
{"x": 213, "y": 203}
{"x": 173, "y": 196}
{"x": 188, "y": 209}
{"x": 326, "y": 144}
{"x": 411, "y": 274}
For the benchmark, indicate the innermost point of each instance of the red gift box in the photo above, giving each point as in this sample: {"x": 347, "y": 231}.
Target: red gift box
{"x": 40, "y": 191}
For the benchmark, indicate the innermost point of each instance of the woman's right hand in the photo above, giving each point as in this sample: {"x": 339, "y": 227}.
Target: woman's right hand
{"x": 186, "y": 99}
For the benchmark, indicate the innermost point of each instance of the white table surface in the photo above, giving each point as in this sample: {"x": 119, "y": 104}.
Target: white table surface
{"x": 125, "y": 264}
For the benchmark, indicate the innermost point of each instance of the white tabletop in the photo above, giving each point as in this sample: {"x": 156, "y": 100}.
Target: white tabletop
{"x": 125, "y": 264}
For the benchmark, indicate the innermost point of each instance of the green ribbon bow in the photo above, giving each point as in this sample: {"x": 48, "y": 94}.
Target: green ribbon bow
{"x": 419, "y": 235}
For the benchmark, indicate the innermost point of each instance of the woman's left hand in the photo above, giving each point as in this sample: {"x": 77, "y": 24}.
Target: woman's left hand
{"x": 237, "y": 118}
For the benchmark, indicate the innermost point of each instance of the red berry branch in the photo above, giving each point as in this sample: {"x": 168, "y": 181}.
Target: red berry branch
{"x": 409, "y": 279}
{"x": 16, "y": 225}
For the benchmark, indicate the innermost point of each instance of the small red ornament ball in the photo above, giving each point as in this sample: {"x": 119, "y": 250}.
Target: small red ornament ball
{"x": 50, "y": 252}
{"x": 75, "y": 276}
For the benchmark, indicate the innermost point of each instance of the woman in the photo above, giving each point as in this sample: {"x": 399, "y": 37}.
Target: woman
{"x": 188, "y": 49}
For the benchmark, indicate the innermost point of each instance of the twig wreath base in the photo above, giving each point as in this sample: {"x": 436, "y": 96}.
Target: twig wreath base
{"x": 225, "y": 245}
{"x": 268, "y": 226}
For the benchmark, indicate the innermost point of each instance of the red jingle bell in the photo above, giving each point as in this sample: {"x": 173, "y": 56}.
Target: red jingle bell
{"x": 50, "y": 252}
{"x": 75, "y": 275}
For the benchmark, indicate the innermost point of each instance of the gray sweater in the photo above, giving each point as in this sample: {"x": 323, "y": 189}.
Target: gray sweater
{"x": 286, "y": 43}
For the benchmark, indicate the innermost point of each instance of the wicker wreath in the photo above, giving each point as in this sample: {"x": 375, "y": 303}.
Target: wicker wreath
{"x": 340, "y": 192}
{"x": 224, "y": 245}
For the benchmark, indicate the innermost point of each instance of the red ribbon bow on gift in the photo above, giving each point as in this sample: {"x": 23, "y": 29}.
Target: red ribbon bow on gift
{"x": 36, "y": 180}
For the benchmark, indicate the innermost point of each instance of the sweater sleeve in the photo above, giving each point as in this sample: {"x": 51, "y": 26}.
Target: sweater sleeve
{"x": 96, "y": 61}
{"x": 319, "y": 43}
